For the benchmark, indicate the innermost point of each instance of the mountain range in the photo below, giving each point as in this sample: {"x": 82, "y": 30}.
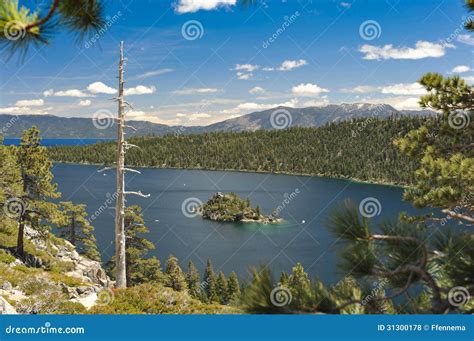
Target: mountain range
{"x": 280, "y": 117}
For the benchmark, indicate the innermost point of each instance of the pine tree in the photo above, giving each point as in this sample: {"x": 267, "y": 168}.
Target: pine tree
{"x": 443, "y": 149}
{"x": 21, "y": 27}
{"x": 233, "y": 292}
{"x": 73, "y": 226}
{"x": 37, "y": 186}
{"x": 300, "y": 286}
{"x": 222, "y": 288}
{"x": 194, "y": 282}
{"x": 10, "y": 182}
{"x": 210, "y": 281}
{"x": 175, "y": 276}
{"x": 139, "y": 268}
{"x": 284, "y": 279}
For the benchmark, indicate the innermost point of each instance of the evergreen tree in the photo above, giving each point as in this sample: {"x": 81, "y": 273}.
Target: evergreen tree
{"x": 210, "y": 281}
{"x": 139, "y": 268}
{"x": 10, "y": 181}
{"x": 175, "y": 276}
{"x": 194, "y": 282}
{"x": 21, "y": 27}
{"x": 443, "y": 149}
{"x": 222, "y": 288}
{"x": 73, "y": 226}
{"x": 284, "y": 279}
{"x": 233, "y": 292}
{"x": 300, "y": 287}
{"x": 37, "y": 187}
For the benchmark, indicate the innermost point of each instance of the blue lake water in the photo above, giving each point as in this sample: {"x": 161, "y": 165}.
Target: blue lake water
{"x": 302, "y": 238}
{"x": 59, "y": 142}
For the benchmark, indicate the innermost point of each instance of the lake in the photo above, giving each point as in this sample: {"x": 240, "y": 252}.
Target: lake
{"x": 302, "y": 238}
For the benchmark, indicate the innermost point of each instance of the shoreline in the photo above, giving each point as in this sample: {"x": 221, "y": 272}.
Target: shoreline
{"x": 354, "y": 180}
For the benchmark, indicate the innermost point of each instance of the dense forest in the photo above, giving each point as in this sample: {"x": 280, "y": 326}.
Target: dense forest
{"x": 362, "y": 149}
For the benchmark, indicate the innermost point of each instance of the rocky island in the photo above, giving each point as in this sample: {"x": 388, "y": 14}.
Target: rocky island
{"x": 230, "y": 208}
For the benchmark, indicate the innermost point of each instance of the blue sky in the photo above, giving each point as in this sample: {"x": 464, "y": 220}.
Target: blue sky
{"x": 195, "y": 62}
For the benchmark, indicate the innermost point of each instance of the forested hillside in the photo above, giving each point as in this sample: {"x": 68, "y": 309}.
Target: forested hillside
{"x": 361, "y": 149}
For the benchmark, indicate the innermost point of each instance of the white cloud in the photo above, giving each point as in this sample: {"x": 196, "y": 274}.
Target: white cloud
{"x": 101, "y": 88}
{"x": 153, "y": 73}
{"x": 251, "y": 106}
{"x": 257, "y": 90}
{"x": 361, "y": 89}
{"x": 317, "y": 102}
{"x": 140, "y": 90}
{"x": 461, "y": 69}
{"x": 422, "y": 49}
{"x": 193, "y": 91}
{"x": 469, "y": 79}
{"x": 268, "y": 69}
{"x": 398, "y": 102}
{"x": 66, "y": 93}
{"x": 22, "y": 111}
{"x": 29, "y": 103}
{"x": 466, "y": 39}
{"x": 404, "y": 89}
{"x": 195, "y": 117}
{"x": 191, "y": 6}
{"x": 307, "y": 90}
{"x": 180, "y": 115}
{"x": 346, "y": 4}
{"x": 244, "y": 76}
{"x": 246, "y": 67}
{"x": 288, "y": 65}
{"x": 85, "y": 103}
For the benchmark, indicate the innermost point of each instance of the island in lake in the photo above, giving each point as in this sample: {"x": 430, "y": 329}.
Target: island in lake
{"x": 230, "y": 208}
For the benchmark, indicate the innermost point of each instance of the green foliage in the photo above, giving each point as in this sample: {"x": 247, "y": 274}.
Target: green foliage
{"x": 155, "y": 299}
{"x": 210, "y": 283}
{"x": 139, "y": 268}
{"x": 21, "y": 27}
{"x": 222, "y": 288}
{"x": 73, "y": 226}
{"x": 233, "y": 293}
{"x": 400, "y": 255}
{"x": 331, "y": 150}
{"x": 175, "y": 276}
{"x": 443, "y": 149}
{"x": 194, "y": 283}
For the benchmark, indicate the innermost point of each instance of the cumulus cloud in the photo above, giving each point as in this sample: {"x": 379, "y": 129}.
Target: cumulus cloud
{"x": 193, "y": 91}
{"x": 307, "y": 90}
{"x": 257, "y": 90}
{"x": 466, "y": 39}
{"x": 251, "y": 106}
{"x": 191, "y": 6}
{"x": 361, "y": 89}
{"x": 288, "y": 65}
{"x": 244, "y": 76}
{"x": 422, "y": 49}
{"x": 85, "y": 103}
{"x": 345, "y": 4}
{"x": 195, "y": 117}
{"x": 461, "y": 69}
{"x": 101, "y": 88}
{"x": 66, "y": 93}
{"x": 29, "y": 103}
{"x": 140, "y": 90}
{"x": 404, "y": 89}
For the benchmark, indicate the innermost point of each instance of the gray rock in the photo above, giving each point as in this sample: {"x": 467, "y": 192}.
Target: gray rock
{"x": 6, "y": 308}
{"x": 7, "y": 286}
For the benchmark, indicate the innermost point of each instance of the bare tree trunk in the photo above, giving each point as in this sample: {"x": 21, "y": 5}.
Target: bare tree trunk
{"x": 121, "y": 279}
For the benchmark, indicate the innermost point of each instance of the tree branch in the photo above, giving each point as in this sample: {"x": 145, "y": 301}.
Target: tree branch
{"x": 48, "y": 16}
